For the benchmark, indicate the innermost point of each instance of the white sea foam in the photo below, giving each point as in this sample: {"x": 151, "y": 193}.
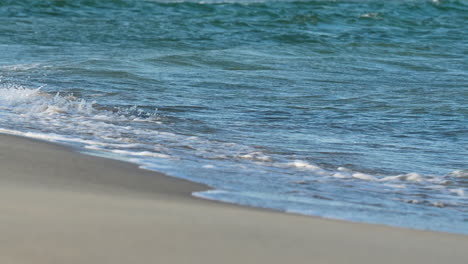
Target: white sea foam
{"x": 459, "y": 192}
{"x": 341, "y": 175}
{"x": 370, "y": 15}
{"x": 33, "y": 102}
{"x": 363, "y": 176}
{"x": 143, "y": 154}
{"x": 413, "y": 177}
{"x": 300, "y": 164}
{"x": 255, "y": 156}
{"x": 459, "y": 174}
{"x": 47, "y": 136}
{"x": 304, "y": 165}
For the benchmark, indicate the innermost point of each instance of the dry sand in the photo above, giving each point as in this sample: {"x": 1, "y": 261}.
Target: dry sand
{"x": 58, "y": 206}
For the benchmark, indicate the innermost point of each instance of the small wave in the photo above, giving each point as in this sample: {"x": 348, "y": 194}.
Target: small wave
{"x": 256, "y": 156}
{"x": 363, "y": 176}
{"x": 22, "y": 67}
{"x": 142, "y": 154}
{"x": 389, "y": 180}
{"x": 303, "y": 165}
{"x": 27, "y": 101}
{"x": 462, "y": 174}
{"x": 438, "y": 204}
{"x": 413, "y": 177}
{"x": 459, "y": 192}
{"x": 33, "y": 102}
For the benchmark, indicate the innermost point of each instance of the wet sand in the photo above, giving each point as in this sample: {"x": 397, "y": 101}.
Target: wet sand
{"x": 59, "y": 206}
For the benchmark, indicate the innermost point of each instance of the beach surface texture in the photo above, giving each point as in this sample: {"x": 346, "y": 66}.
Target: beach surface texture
{"x": 58, "y": 206}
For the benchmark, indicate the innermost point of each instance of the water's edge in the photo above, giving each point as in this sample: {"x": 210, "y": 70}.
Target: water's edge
{"x": 201, "y": 194}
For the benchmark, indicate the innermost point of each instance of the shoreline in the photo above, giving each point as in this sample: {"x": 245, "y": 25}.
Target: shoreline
{"x": 60, "y": 206}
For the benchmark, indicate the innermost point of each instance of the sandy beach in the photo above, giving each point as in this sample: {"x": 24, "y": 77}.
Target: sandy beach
{"x": 59, "y": 206}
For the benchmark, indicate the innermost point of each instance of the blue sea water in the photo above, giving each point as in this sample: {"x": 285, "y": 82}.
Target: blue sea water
{"x": 353, "y": 110}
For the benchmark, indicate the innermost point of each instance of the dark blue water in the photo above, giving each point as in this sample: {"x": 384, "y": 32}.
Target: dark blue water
{"x": 353, "y": 110}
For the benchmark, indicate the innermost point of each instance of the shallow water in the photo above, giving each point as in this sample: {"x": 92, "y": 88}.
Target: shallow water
{"x": 352, "y": 110}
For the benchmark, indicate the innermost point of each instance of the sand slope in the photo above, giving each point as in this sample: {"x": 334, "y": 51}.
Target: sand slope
{"x": 57, "y": 206}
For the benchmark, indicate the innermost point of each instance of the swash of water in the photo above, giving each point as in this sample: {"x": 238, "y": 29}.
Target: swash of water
{"x": 352, "y": 110}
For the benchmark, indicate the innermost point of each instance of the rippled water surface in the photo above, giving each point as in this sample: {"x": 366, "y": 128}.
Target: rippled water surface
{"x": 352, "y": 110}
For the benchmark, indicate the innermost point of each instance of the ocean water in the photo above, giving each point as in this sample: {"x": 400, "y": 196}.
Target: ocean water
{"x": 353, "y": 110}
